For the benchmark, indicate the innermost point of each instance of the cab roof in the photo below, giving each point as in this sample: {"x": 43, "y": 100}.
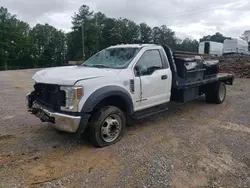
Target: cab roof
{"x": 131, "y": 45}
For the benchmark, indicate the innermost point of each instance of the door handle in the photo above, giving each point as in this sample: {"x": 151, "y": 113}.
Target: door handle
{"x": 164, "y": 77}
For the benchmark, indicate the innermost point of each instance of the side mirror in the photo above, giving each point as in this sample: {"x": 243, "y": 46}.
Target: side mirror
{"x": 137, "y": 71}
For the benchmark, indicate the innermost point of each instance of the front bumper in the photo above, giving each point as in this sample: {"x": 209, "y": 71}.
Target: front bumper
{"x": 60, "y": 121}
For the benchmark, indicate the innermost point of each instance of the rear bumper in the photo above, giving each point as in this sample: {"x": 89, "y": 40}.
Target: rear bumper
{"x": 60, "y": 121}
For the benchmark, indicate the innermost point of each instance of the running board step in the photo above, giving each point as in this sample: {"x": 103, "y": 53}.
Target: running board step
{"x": 149, "y": 112}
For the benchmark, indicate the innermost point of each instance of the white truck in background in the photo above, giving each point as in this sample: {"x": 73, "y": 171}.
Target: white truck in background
{"x": 235, "y": 46}
{"x": 211, "y": 48}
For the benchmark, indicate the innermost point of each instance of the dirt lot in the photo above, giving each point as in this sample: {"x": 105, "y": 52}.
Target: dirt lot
{"x": 193, "y": 145}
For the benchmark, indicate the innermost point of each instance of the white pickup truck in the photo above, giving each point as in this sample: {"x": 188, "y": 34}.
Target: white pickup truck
{"x": 119, "y": 83}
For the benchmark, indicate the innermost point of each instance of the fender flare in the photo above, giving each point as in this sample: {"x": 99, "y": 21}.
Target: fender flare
{"x": 105, "y": 92}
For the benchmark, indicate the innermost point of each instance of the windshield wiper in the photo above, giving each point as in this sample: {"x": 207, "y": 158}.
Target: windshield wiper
{"x": 84, "y": 65}
{"x": 100, "y": 66}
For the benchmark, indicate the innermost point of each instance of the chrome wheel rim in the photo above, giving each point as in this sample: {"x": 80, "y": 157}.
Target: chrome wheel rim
{"x": 111, "y": 128}
{"x": 222, "y": 92}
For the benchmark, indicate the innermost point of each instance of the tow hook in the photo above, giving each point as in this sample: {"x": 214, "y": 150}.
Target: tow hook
{"x": 41, "y": 115}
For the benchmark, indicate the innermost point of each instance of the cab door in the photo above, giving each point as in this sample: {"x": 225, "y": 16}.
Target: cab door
{"x": 153, "y": 79}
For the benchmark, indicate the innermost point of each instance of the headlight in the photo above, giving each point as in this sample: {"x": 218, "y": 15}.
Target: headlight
{"x": 73, "y": 96}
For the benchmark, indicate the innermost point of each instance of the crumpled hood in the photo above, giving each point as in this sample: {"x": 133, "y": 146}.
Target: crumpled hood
{"x": 69, "y": 75}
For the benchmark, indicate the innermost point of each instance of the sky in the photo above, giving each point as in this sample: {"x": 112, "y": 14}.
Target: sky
{"x": 188, "y": 18}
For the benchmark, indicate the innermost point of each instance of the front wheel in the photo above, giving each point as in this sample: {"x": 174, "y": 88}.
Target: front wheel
{"x": 107, "y": 126}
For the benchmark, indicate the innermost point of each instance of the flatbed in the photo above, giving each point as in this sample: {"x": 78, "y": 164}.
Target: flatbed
{"x": 220, "y": 77}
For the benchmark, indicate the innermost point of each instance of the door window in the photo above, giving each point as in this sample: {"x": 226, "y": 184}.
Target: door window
{"x": 149, "y": 62}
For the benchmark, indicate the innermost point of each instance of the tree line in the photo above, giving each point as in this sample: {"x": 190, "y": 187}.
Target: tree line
{"x": 23, "y": 46}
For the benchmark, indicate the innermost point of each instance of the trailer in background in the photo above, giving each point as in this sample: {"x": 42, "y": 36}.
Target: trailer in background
{"x": 235, "y": 46}
{"x": 211, "y": 48}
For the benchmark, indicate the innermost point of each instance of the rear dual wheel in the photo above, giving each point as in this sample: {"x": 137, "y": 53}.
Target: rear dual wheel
{"x": 216, "y": 93}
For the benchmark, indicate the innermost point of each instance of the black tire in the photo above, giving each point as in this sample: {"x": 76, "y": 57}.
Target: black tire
{"x": 97, "y": 123}
{"x": 216, "y": 93}
{"x": 220, "y": 93}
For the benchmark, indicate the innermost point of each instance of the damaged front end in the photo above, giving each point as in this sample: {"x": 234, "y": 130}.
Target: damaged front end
{"x": 60, "y": 121}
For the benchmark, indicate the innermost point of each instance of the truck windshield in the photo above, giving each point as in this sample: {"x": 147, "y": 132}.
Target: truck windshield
{"x": 116, "y": 58}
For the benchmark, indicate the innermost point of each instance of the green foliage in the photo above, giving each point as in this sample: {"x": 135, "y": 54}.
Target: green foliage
{"x": 145, "y": 33}
{"x": 43, "y": 45}
{"x": 48, "y": 46}
{"x": 165, "y": 36}
{"x": 25, "y": 47}
{"x": 217, "y": 37}
{"x": 188, "y": 45}
{"x": 100, "y": 32}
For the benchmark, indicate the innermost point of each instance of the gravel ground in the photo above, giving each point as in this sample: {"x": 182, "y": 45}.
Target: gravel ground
{"x": 192, "y": 145}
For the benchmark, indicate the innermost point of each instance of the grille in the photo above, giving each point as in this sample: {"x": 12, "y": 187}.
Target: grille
{"x": 50, "y": 95}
